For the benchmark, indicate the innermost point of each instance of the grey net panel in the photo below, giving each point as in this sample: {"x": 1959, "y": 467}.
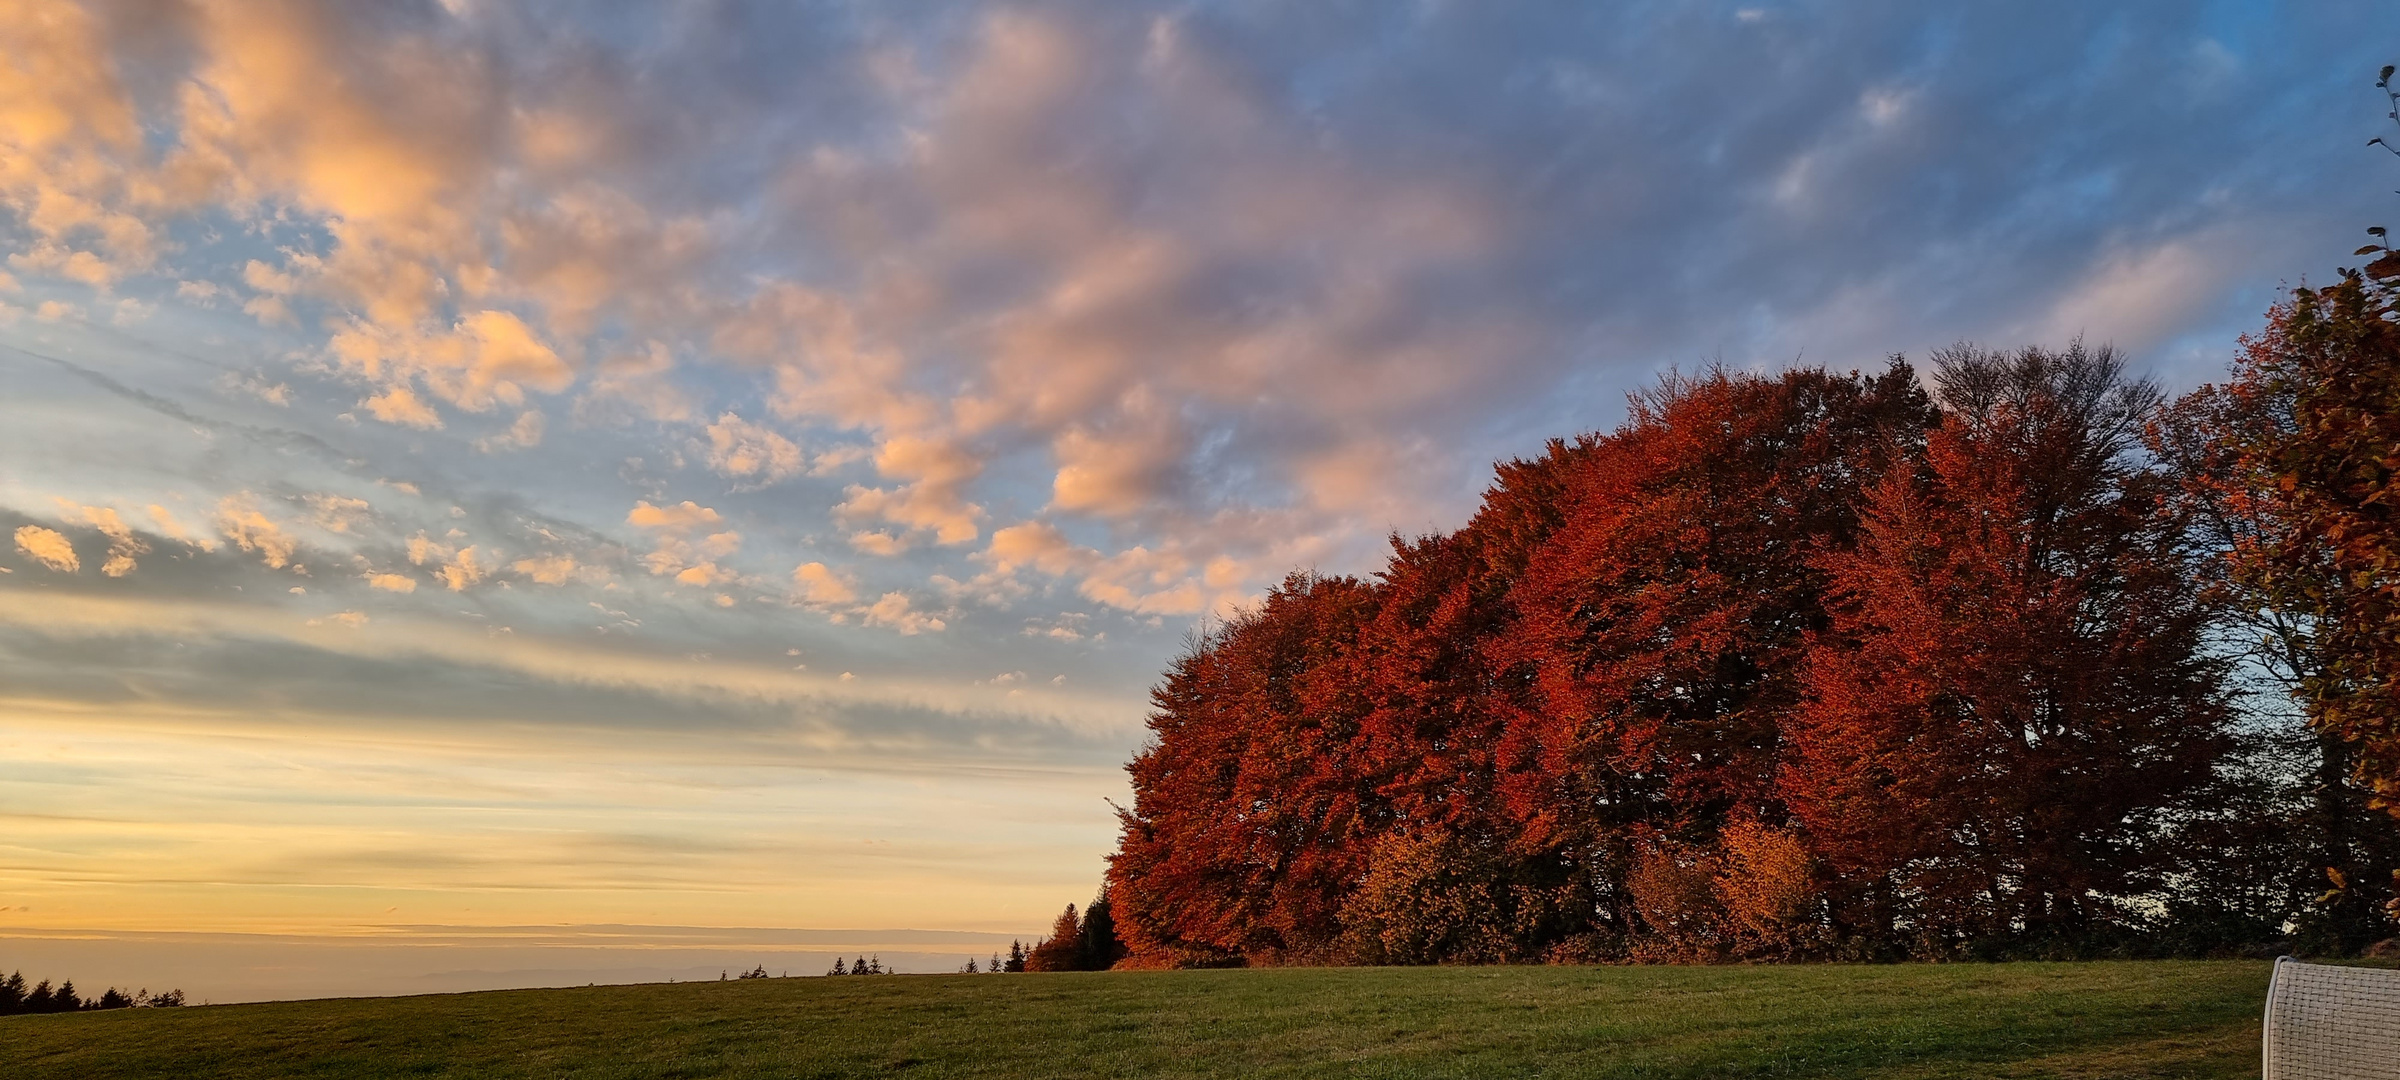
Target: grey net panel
{"x": 2332, "y": 1023}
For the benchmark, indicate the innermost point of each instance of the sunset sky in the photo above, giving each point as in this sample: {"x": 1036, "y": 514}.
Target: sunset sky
{"x": 470, "y": 465}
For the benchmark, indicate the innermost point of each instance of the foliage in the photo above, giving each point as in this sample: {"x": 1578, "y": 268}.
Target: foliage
{"x": 2327, "y": 371}
{"x": 1813, "y": 665}
{"x": 1804, "y": 665}
{"x": 1088, "y": 943}
{"x": 2013, "y": 699}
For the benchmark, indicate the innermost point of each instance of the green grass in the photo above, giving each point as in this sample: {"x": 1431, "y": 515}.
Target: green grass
{"x": 2129, "y": 1019}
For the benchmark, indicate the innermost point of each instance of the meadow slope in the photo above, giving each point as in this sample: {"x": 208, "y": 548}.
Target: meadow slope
{"x": 2114, "y": 1019}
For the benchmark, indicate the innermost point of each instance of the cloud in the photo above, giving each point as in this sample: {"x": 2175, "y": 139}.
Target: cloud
{"x": 894, "y": 610}
{"x": 399, "y": 404}
{"x": 933, "y": 500}
{"x": 549, "y": 569}
{"x": 684, "y": 548}
{"x": 639, "y": 382}
{"x": 741, "y": 449}
{"x": 490, "y": 358}
{"x": 1037, "y": 545}
{"x": 47, "y": 547}
{"x": 462, "y": 569}
{"x": 123, "y": 546}
{"x": 173, "y": 528}
{"x": 815, "y": 583}
{"x": 399, "y": 583}
{"x": 337, "y": 513}
{"x": 239, "y": 520}
{"x": 525, "y": 432}
{"x": 683, "y": 518}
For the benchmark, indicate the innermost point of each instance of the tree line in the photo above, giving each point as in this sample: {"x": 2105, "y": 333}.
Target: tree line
{"x": 16, "y": 998}
{"x": 2021, "y": 658}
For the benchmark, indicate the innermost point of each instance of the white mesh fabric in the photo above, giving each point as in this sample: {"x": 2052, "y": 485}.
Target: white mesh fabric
{"x": 2326, "y": 1022}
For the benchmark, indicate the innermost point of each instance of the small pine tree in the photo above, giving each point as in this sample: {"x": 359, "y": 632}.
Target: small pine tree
{"x": 838, "y": 967}
{"x": 995, "y": 967}
{"x": 1016, "y": 956}
{"x": 875, "y": 965}
{"x": 970, "y": 968}
{"x": 64, "y": 999}
{"x": 859, "y": 967}
{"x": 39, "y": 999}
{"x": 12, "y": 994}
{"x": 113, "y": 998}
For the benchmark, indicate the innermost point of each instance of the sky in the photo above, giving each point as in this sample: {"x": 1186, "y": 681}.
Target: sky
{"x": 523, "y": 489}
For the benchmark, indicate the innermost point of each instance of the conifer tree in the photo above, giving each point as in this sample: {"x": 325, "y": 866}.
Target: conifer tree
{"x": 1097, "y": 946}
{"x": 1057, "y": 952}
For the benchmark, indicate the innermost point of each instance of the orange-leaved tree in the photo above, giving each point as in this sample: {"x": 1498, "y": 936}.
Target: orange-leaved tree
{"x": 2014, "y": 701}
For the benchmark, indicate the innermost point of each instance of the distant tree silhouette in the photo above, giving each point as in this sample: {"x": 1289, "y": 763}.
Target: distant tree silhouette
{"x": 1098, "y": 947}
{"x": 12, "y": 994}
{"x": 839, "y": 968}
{"x": 1016, "y": 956}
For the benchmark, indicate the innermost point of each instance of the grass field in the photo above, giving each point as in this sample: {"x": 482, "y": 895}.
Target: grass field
{"x": 2170, "y": 1019}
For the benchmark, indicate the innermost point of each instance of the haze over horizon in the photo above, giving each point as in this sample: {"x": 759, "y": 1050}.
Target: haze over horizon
{"x": 716, "y": 466}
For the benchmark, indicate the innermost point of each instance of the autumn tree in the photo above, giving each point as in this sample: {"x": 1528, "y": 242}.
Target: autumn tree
{"x": 2013, "y": 702}
{"x": 1244, "y": 832}
{"x": 1662, "y": 628}
{"x": 1057, "y": 952}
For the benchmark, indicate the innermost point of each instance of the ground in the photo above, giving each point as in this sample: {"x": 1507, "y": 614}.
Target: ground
{"x": 2116, "y": 1019}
